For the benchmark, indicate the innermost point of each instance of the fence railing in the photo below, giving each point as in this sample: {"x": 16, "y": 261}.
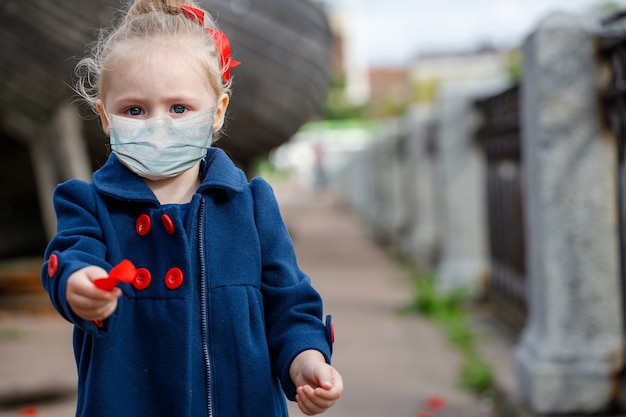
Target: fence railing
{"x": 532, "y": 203}
{"x": 612, "y": 50}
{"x": 499, "y": 137}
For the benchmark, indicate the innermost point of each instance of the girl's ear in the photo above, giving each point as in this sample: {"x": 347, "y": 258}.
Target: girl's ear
{"x": 103, "y": 117}
{"x": 220, "y": 112}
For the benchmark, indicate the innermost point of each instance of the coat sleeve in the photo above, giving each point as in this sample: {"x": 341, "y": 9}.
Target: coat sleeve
{"x": 293, "y": 308}
{"x": 77, "y": 244}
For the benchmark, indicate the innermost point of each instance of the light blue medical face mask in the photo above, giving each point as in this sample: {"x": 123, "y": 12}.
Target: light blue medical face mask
{"x": 161, "y": 147}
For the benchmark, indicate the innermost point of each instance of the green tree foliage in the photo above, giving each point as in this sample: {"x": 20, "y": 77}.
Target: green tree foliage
{"x": 337, "y": 106}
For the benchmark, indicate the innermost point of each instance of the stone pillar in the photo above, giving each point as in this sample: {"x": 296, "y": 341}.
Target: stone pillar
{"x": 369, "y": 201}
{"x": 572, "y": 347}
{"x": 380, "y": 193}
{"x": 358, "y": 188}
{"x": 421, "y": 239}
{"x": 395, "y": 148}
{"x": 464, "y": 256}
{"x": 355, "y": 181}
{"x": 386, "y": 183}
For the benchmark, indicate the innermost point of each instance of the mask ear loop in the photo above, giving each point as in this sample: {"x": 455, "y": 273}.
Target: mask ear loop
{"x": 100, "y": 107}
{"x": 105, "y": 113}
{"x": 220, "y": 39}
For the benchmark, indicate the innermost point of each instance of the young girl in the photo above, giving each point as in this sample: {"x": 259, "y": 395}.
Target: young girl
{"x": 217, "y": 319}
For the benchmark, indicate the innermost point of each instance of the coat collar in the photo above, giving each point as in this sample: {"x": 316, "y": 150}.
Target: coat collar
{"x": 217, "y": 170}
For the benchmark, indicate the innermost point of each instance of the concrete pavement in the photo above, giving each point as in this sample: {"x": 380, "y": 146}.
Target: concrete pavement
{"x": 392, "y": 365}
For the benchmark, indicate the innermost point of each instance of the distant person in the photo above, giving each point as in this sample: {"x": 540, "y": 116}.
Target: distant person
{"x": 216, "y": 318}
{"x": 319, "y": 166}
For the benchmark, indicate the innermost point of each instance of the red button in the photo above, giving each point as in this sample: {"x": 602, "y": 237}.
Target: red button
{"x": 174, "y": 278}
{"x": 143, "y": 278}
{"x": 143, "y": 225}
{"x": 53, "y": 265}
{"x": 168, "y": 223}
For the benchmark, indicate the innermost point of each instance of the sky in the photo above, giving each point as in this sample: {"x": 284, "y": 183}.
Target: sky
{"x": 391, "y": 32}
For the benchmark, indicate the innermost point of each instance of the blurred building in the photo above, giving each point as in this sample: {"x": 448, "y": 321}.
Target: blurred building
{"x": 429, "y": 70}
{"x": 391, "y": 92}
{"x": 347, "y": 63}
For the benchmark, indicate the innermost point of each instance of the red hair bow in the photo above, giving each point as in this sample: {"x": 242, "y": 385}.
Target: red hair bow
{"x": 221, "y": 41}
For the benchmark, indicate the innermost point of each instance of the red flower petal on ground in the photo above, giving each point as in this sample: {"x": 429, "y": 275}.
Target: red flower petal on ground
{"x": 436, "y": 402}
{"x": 29, "y": 412}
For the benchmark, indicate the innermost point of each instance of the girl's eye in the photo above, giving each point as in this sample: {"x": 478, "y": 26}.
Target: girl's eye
{"x": 179, "y": 109}
{"x": 135, "y": 111}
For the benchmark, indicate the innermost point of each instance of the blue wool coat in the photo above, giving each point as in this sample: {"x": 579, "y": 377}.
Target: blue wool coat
{"x": 217, "y": 313}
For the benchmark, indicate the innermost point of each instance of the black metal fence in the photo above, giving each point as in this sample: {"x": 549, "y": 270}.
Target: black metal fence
{"x": 612, "y": 51}
{"x": 499, "y": 137}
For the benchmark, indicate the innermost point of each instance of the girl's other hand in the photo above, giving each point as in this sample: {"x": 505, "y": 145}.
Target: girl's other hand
{"x": 85, "y": 299}
{"x": 319, "y": 385}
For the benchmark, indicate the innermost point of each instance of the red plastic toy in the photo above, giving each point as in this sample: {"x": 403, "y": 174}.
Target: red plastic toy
{"x": 125, "y": 271}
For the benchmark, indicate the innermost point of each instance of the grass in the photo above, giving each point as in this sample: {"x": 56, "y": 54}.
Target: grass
{"x": 449, "y": 311}
{"x": 10, "y": 335}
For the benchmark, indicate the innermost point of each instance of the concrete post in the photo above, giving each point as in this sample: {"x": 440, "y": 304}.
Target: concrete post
{"x": 387, "y": 186}
{"x": 464, "y": 256}
{"x": 572, "y": 346}
{"x": 396, "y": 168}
{"x": 421, "y": 240}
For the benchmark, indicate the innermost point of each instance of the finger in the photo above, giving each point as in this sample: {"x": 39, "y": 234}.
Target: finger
{"x": 306, "y": 403}
{"x": 96, "y": 293}
{"x": 95, "y": 272}
{"x": 337, "y": 383}
{"x": 324, "y": 376}
{"x": 90, "y": 308}
{"x": 91, "y": 311}
{"x": 100, "y": 313}
{"x": 309, "y": 401}
{"x": 329, "y": 378}
{"x": 107, "y": 310}
{"x": 84, "y": 286}
{"x": 332, "y": 394}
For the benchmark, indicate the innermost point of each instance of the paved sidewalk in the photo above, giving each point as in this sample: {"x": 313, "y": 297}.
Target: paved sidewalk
{"x": 391, "y": 364}
{"x": 37, "y": 368}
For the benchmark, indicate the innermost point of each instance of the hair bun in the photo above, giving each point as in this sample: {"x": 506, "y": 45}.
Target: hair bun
{"x": 139, "y": 7}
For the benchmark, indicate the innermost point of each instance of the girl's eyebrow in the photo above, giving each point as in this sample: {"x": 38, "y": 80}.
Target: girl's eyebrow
{"x": 181, "y": 97}
{"x": 178, "y": 98}
{"x": 125, "y": 101}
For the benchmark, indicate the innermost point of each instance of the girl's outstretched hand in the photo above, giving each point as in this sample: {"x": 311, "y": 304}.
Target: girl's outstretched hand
{"x": 85, "y": 299}
{"x": 318, "y": 385}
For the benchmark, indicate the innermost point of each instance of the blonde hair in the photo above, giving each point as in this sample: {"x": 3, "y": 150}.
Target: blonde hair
{"x": 153, "y": 21}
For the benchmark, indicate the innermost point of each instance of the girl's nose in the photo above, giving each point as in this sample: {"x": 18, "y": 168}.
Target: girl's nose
{"x": 160, "y": 113}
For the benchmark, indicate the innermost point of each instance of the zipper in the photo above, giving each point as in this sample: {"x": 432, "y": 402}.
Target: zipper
{"x": 203, "y": 309}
